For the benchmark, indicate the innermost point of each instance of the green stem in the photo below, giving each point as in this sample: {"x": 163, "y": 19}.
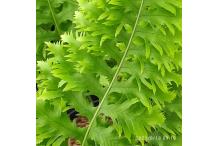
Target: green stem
{"x": 54, "y": 18}
{"x": 114, "y": 77}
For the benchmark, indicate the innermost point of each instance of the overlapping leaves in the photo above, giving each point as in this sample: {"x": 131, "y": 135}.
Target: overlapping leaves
{"x": 144, "y": 101}
{"x": 53, "y": 17}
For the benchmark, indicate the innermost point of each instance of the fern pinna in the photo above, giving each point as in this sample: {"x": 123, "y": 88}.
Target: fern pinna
{"x": 127, "y": 54}
{"x": 53, "y": 17}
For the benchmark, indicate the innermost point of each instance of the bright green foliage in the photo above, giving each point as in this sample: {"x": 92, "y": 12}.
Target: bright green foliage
{"x": 53, "y": 17}
{"x": 145, "y": 99}
{"x": 53, "y": 124}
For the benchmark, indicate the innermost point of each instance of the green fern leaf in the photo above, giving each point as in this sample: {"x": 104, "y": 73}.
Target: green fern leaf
{"x": 53, "y": 17}
{"x": 139, "y": 93}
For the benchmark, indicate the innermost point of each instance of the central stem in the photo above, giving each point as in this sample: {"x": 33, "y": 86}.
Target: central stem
{"x": 114, "y": 77}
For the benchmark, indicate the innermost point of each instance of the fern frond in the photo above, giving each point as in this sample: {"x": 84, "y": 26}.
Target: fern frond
{"x": 114, "y": 77}
{"x": 53, "y": 17}
{"x": 139, "y": 92}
